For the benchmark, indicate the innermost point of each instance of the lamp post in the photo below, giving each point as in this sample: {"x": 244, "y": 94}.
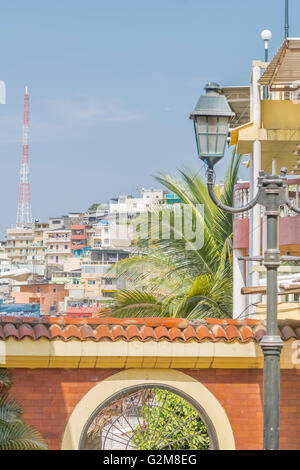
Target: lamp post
{"x": 266, "y": 36}
{"x": 211, "y": 121}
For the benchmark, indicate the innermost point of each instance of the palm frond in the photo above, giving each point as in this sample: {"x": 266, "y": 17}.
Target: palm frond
{"x": 174, "y": 275}
{"x": 10, "y": 410}
{"x": 5, "y": 378}
{"x": 19, "y": 436}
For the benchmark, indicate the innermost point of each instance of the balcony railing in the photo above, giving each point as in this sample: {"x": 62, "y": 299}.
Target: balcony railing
{"x": 242, "y": 197}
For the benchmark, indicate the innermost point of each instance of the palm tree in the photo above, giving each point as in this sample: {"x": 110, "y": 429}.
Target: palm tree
{"x": 14, "y": 434}
{"x": 175, "y": 277}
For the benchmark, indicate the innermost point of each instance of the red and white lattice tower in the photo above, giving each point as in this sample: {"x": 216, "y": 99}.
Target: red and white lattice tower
{"x": 24, "y": 214}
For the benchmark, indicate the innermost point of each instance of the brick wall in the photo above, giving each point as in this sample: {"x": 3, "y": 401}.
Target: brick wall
{"x": 49, "y": 396}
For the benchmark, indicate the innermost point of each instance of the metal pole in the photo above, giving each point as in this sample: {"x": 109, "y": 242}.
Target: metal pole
{"x": 271, "y": 343}
{"x": 272, "y": 195}
{"x": 286, "y": 27}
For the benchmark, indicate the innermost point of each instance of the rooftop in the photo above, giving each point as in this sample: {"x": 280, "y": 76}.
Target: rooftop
{"x": 142, "y": 329}
{"x": 284, "y": 69}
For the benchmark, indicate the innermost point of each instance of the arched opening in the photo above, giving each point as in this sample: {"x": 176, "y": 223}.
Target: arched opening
{"x": 149, "y": 417}
{"x": 103, "y": 394}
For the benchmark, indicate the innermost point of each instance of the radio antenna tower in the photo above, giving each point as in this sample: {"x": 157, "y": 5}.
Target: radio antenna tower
{"x": 24, "y": 213}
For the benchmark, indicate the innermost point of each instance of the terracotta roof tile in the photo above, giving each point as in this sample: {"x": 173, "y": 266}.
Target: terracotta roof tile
{"x": 203, "y": 332}
{"x": 87, "y": 332}
{"x": 41, "y": 331}
{"x": 190, "y": 333}
{"x": 144, "y": 329}
{"x": 259, "y": 332}
{"x": 218, "y": 332}
{"x": 175, "y": 333}
{"x": 10, "y": 319}
{"x": 10, "y": 330}
{"x": 232, "y": 332}
{"x": 246, "y": 333}
{"x": 56, "y": 332}
{"x": 132, "y": 332}
{"x": 118, "y": 331}
{"x": 287, "y": 332}
{"x": 26, "y": 330}
{"x": 29, "y": 319}
{"x": 161, "y": 332}
{"x": 297, "y": 331}
{"x": 72, "y": 332}
{"x": 103, "y": 332}
{"x": 147, "y": 333}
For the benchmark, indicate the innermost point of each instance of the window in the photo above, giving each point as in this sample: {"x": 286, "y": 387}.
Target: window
{"x": 54, "y": 290}
{"x": 66, "y": 247}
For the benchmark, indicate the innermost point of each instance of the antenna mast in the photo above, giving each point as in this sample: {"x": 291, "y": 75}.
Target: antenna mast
{"x": 24, "y": 213}
{"x": 286, "y": 26}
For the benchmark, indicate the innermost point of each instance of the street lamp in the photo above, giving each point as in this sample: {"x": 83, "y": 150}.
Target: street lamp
{"x": 211, "y": 118}
{"x": 266, "y": 36}
{"x": 272, "y": 194}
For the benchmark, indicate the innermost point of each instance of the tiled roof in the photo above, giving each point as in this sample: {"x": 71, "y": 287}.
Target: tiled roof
{"x": 143, "y": 329}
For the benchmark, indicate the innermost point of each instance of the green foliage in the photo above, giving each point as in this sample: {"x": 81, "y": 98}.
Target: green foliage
{"x": 19, "y": 436}
{"x": 172, "y": 424}
{"x": 182, "y": 278}
{"x": 94, "y": 207}
{"x": 14, "y": 434}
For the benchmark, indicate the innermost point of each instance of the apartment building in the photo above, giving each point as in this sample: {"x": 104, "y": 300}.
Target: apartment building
{"x": 51, "y": 297}
{"x": 18, "y": 244}
{"x": 78, "y": 237}
{"x": 266, "y": 130}
{"x": 134, "y": 206}
{"x": 38, "y": 249}
{"x": 58, "y": 246}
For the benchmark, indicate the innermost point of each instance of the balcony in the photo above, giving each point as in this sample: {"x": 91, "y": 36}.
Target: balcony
{"x": 58, "y": 251}
{"x": 289, "y": 222}
{"x": 78, "y": 236}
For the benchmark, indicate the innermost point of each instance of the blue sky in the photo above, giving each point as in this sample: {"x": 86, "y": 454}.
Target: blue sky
{"x": 111, "y": 85}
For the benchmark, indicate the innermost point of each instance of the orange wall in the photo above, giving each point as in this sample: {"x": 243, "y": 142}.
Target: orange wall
{"x": 46, "y": 296}
{"x": 48, "y": 397}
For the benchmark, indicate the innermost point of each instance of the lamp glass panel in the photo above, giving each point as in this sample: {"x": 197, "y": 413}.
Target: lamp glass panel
{"x": 203, "y": 143}
{"x": 201, "y": 124}
{"x": 212, "y": 143}
{"x": 223, "y": 125}
{"x": 221, "y": 143}
{"x": 212, "y": 124}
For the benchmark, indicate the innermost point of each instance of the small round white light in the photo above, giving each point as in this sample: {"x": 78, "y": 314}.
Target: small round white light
{"x": 266, "y": 35}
